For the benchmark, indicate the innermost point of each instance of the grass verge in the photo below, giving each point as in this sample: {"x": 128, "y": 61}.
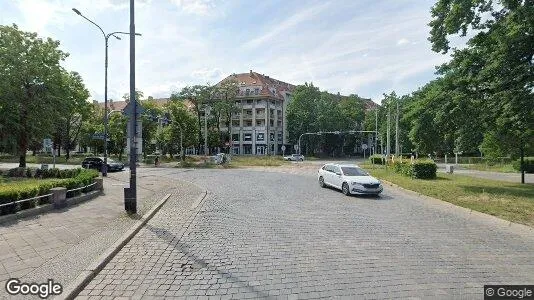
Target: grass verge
{"x": 510, "y": 201}
{"x": 501, "y": 168}
{"x": 257, "y": 161}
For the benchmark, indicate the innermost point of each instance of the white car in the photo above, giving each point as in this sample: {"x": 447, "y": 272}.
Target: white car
{"x": 350, "y": 179}
{"x": 294, "y": 157}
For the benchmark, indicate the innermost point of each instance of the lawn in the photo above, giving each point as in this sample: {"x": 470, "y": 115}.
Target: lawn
{"x": 501, "y": 168}
{"x": 38, "y": 159}
{"x": 510, "y": 201}
{"x": 261, "y": 161}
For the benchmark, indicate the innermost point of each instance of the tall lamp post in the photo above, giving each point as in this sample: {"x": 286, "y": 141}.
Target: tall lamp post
{"x": 106, "y": 117}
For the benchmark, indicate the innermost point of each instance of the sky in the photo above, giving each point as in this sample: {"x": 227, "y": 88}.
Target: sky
{"x": 364, "y": 47}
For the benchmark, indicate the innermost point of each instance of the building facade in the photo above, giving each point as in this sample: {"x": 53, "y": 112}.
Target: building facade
{"x": 259, "y": 126}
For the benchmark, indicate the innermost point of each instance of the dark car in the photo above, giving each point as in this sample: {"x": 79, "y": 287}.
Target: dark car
{"x": 98, "y": 162}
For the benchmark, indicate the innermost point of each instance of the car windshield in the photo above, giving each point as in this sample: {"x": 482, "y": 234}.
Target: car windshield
{"x": 353, "y": 171}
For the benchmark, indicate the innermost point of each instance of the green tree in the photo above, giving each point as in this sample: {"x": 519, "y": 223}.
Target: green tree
{"x": 225, "y": 107}
{"x": 31, "y": 74}
{"x": 497, "y": 63}
{"x": 117, "y": 134}
{"x": 183, "y": 128}
{"x": 199, "y": 96}
{"x": 75, "y": 110}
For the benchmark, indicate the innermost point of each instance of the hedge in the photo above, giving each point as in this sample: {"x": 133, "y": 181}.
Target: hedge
{"x": 376, "y": 159}
{"x": 419, "y": 169}
{"x": 39, "y": 173}
{"x": 18, "y": 190}
{"x": 528, "y": 164}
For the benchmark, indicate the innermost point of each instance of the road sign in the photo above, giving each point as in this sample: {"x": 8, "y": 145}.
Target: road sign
{"x": 364, "y": 146}
{"x": 283, "y": 148}
{"x": 99, "y": 136}
{"x": 47, "y": 143}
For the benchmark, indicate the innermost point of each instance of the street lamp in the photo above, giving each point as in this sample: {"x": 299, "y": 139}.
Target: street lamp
{"x": 106, "y": 116}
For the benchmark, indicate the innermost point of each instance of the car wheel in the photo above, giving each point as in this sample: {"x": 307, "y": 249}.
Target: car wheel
{"x": 345, "y": 189}
{"x": 321, "y": 182}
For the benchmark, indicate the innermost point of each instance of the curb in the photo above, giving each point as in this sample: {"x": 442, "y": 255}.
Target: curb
{"x": 488, "y": 217}
{"x": 94, "y": 268}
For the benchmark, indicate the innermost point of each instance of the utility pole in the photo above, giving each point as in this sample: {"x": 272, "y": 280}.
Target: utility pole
{"x": 376, "y": 129}
{"x": 206, "y": 112}
{"x": 397, "y": 131}
{"x": 388, "y": 145}
{"x": 130, "y": 198}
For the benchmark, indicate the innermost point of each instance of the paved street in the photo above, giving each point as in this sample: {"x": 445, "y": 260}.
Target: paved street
{"x": 262, "y": 234}
{"x": 59, "y": 244}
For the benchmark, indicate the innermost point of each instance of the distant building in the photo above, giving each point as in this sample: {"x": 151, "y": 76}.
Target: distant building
{"x": 260, "y": 125}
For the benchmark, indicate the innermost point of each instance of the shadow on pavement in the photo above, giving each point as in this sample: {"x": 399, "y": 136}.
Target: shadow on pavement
{"x": 197, "y": 262}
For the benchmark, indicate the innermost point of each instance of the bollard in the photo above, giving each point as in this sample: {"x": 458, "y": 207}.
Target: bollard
{"x": 99, "y": 186}
{"x": 59, "y": 197}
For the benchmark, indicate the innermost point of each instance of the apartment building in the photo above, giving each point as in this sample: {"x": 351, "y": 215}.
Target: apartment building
{"x": 259, "y": 127}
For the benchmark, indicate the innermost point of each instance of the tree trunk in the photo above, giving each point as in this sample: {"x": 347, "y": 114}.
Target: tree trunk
{"x": 522, "y": 165}
{"x": 23, "y": 136}
{"x": 200, "y": 127}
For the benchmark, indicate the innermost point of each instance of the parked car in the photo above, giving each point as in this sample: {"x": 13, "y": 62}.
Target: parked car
{"x": 98, "y": 162}
{"x": 294, "y": 157}
{"x": 350, "y": 179}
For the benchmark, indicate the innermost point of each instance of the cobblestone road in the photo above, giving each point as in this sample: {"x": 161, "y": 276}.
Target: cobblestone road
{"x": 275, "y": 235}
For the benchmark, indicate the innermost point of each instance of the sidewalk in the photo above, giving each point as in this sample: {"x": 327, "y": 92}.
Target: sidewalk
{"x": 60, "y": 243}
{"x": 508, "y": 177}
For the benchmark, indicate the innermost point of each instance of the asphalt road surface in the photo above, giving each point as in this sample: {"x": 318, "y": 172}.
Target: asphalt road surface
{"x": 261, "y": 234}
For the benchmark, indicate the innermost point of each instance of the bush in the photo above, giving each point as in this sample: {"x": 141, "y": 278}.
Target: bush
{"x": 9, "y": 193}
{"x": 376, "y": 159}
{"x": 425, "y": 169}
{"x": 528, "y": 164}
{"x": 405, "y": 168}
{"x": 16, "y": 172}
{"x": 419, "y": 169}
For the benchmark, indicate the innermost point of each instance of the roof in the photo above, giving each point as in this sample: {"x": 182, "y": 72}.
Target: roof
{"x": 120, "y": 105}
{"x": 269, "y": 87}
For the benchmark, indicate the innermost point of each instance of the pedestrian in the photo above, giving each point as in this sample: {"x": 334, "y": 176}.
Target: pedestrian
{"x": 156, "y": 161}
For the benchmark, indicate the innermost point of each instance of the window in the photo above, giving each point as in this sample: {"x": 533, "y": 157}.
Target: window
{"x": 249, "y": 101}
{"x": 248, "y": 123}
{"x": 247, "y": 149}
{"x": 247, "y": 92}
{"x": 260, "y": 137}
{"x": 236, "y": 123}
{"x": 352, "y": 171}
{"x": 235, "y": 150}
{"x": 256, "y": 91}
{"x": 272, "y": 136}
{"x": 247, "y": 137}
{"x": 272, "y": 123}
{"x": 235, "y": 137}
{"x": 280, "y": 137}
{"x": 260, "y": 123}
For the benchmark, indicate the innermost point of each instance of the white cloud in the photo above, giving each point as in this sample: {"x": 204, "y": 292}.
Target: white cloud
{"x": 198, "y": 7}
{"x": 290, "y": 22}
{"x": 208, "y": 75}
{"x": 402, "y": 41}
